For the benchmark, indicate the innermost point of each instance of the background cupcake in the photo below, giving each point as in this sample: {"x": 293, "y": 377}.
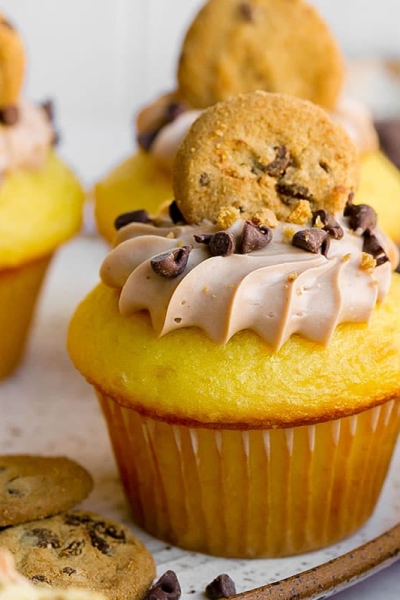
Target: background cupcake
{"x": 40, "y": 199}
{"x": 234, "y": 352}
{"x": 225, "y": 52}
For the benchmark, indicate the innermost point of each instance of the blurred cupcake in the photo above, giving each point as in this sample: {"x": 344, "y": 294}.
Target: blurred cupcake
{"x": 40, "y": 199}
{"x": 235, "y": 351}
{"x": 235, "y": 47}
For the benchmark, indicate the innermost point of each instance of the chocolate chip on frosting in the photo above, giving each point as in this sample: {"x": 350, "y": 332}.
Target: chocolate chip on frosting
{"x": 203, "y": 238}
{"x": 312, "y": 240}
{"x": 222, "y": 243}
{"x": 254, "y": 237}
{"x": 175, "y": 213}
{"x": 361, "y": 216}
{"x": 221, "y": 587}
{"x": 372, "y": 246}
{"x": 9, "y": 115}
{"x": 134, "y": 216}
{"x": 166, "y": 588}
{"x": 171, "y": 264}
{"x": 327, "y": 222}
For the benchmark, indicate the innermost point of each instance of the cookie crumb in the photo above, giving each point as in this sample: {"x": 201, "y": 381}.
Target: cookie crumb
{"x": 368, "y": 262}
{"x": 346, "y": 257}
{"x": 288, "y": 233}
{"x": 170, "y": 235}
{"x": 292, "y": 277}
{"x": 301, "y": 214}
{"x": 226, "y": 216}
{"x": 265, "y": 216}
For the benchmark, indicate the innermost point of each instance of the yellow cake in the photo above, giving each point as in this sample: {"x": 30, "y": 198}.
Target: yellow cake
{"x": 248, "y": 375}
{"x": 218, "y": 50}
{"x": 40, "y": 201}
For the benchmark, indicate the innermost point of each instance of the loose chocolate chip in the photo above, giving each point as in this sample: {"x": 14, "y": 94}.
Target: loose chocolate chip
{"x": 48, "y": 108}
{"x": 175, "y": 213}
{"x": 204, "y": 179}
{"x": 293, "y": 191}
{"x": 221, "y": 587}
{"x": 281, "y": 162}
{"x": 312, "y": 240}
{"x": 246, "y": 12}
{"x": 173, "y": 110}
{"x": 373, "y": 247}
{"x": 254, "y": 237}
{"x": 166, "y": 588}
{"x": 9, "y": 115}
{"x": 171, "y": 264}
{"x": 40, "y": 579}
{"x": 203, "y": 238}
{"x": 134, "y": 216}
{"x": 73, "y": 549}
{"x": 42, "y": 538}
{"x": 222, "y": 243}
{"x": 330, "y": 225}
{"x": 69, "y": 570}
{"x": 361, "y": 216}
{"x": 146, "y": 139}
{"x": 99, "y": 543}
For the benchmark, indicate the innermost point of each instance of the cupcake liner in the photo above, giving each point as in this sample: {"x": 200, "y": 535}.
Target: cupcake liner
{"x": 19, "y": 290}
{"x": 253, "y": 493}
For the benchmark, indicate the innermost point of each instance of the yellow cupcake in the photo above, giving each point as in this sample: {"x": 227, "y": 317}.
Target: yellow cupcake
{"x": 248, "y": 373}
{"x": 40, "y": 201}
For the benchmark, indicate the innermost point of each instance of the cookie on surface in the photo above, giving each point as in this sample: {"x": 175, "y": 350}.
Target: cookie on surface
{"x": 262, "y": 150}
{"x": 238, "y": 46}
{"x": 33, "y": 487}
{"x": 15, "y": 587}
{"x": 81, "y": 549}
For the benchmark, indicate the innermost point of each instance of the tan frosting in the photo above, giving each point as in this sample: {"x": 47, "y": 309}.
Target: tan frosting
{"x": 26, "y": 144}
{"x": 276, "y": 292}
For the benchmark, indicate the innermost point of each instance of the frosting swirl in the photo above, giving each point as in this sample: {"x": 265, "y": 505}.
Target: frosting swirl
{"x": 26, "y": 143}
{"x": 276, "y": 291}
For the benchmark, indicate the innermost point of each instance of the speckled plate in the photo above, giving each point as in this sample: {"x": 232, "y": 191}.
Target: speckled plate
{"x": 48, "y": 408}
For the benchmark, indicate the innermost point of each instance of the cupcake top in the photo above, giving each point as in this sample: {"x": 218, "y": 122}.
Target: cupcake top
{"x": 263, "y": 235}
{"x": 40, "y": 199}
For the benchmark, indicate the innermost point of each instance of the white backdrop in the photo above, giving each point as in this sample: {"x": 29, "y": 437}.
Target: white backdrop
{"x": 101, "y": 59}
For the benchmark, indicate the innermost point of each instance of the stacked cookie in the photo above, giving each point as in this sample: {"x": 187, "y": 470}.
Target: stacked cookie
{"x": 54, "y": 546}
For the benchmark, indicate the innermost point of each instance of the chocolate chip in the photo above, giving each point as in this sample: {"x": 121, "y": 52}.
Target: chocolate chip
{"x": 73, "y": 549}
{"x": 42, "y": 538}
{"x": 40, "y": 579}
{"x": 16, "y": 493}
{"x": 146, "y": 139}
{"x": 76, "y": 519}
{"x": 330, "y": 225}
{"x": 281, "y": 162}
{"x": 99, "y": 543}
{"x": 204, "y": 180}
{"x": 389, "y": 138}
{"x": 293, "y": 191}
{"x": 111, "y": 531}
{"x": 312, "y": 240}
{"x": 222, "y": 243}
{"x": 324, "y": 166}
{"x": 171, "y": 264}
{"x": 69, "y": 570}
{"x": 254, "y": 237}
{"x": 173, "y": 110}
{"x": 373, "y": 247}
{"x": 203, "y": 238}
{"x": 166, "y": 588}
{"x": 48, "y": 108}
{"x": 175, "y": 213}
{"x": 134, "y": 216}
{"x": 246, "y": 12}
{"x": 361, "y": 216}
{"x": 9, "y": 115}
{"x": 221, "y": 587}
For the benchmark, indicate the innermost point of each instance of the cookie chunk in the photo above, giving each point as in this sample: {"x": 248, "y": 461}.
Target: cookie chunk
{"x": 238, "y": 46}
{"x": 33, "y": 487}
{"x": 80, "y": 549}
{"x": 262, "y": 150}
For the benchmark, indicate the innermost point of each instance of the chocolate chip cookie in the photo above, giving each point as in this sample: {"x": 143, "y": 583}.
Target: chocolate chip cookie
{"x": 33, "y": 487}
{"x": 263, "y": 150}
{"x": 238, "y": 46}
{"x": 81, "y": 549}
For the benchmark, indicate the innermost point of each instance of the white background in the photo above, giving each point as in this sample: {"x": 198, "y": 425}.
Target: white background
{"x": 102, "y": 59}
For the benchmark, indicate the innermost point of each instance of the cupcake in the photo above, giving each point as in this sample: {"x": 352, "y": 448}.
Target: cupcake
{"x": 40, "y": 200}
{"x": 246, "y": 356}
{"x": 224, "y": 53}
